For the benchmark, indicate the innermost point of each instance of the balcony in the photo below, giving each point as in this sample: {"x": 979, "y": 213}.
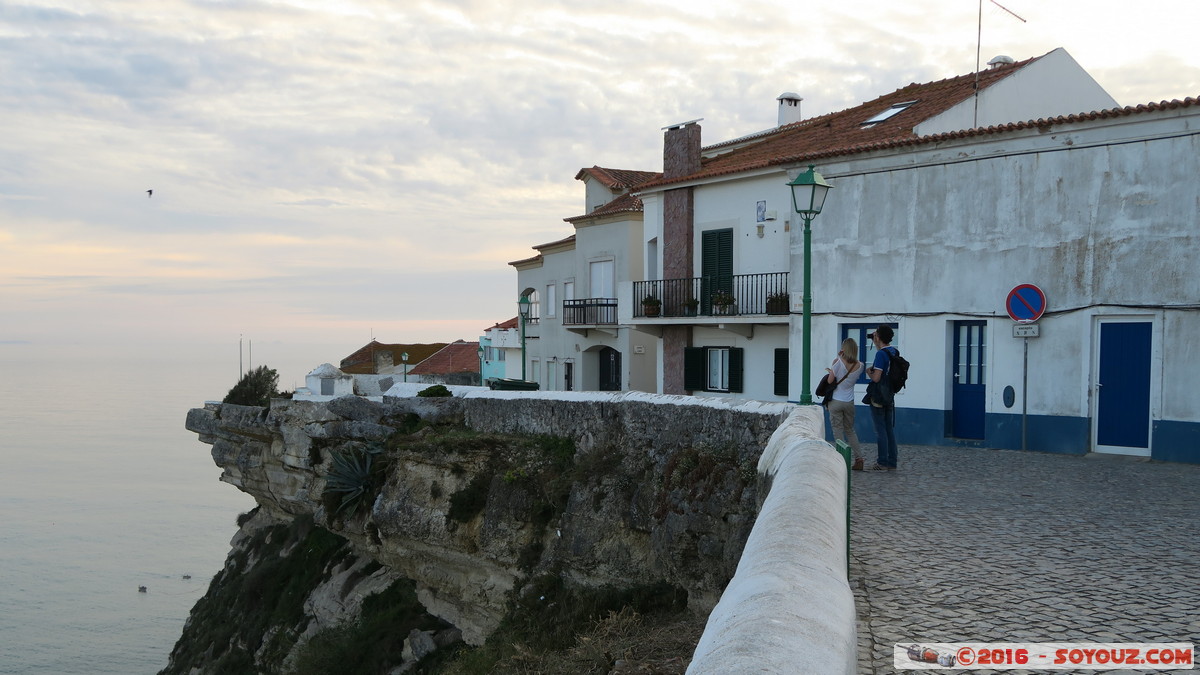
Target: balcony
{"x": 737, "y": 295}
{"x": 580, "y": 315}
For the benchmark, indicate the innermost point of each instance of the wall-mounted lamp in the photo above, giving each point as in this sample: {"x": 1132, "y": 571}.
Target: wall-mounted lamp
{"x": 760, "y": 230}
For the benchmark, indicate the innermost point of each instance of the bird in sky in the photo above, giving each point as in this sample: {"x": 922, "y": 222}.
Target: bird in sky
{"x": 149, "y": 194}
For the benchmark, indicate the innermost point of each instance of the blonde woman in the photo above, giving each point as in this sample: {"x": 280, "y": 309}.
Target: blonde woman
{"x": 844, "y": 373}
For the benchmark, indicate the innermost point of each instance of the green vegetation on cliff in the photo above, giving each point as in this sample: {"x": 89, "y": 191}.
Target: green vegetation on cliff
{"x": 253, "y": 612}
{"x": 255, "y": 388}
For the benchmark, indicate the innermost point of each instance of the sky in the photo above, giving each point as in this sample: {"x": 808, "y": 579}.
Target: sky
{"x": 336, "y": 171}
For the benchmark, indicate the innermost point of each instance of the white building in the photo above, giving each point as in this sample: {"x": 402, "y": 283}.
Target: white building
{"x": 574, "y": 339}
{"x": 935, "y": 217}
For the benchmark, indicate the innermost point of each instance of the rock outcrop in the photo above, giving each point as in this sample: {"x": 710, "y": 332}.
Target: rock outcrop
{"x": 471, "y": 498}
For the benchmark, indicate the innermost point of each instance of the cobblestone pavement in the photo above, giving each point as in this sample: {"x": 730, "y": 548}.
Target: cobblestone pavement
{"x": 973, "y": 545}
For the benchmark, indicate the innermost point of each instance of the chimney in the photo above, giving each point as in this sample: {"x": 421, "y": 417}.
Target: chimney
{"x": 681, "y": 149}
{"x": 789, "y": 107}
{"x": 1000, "y": 62}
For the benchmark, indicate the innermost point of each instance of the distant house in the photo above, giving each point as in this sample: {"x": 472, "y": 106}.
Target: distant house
{"x": 456, "y": 363}
{"x": 496, "y": 342}
{"x": 377, "y": 358}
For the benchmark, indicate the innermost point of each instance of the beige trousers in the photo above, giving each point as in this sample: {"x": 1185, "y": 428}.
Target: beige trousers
{"x": 841, "y": 419}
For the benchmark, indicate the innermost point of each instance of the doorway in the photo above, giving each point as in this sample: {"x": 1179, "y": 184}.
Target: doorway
{"x": 610, "y": 369}
{"x": 1121, "y": 423}
{"x": 968, "y": 399}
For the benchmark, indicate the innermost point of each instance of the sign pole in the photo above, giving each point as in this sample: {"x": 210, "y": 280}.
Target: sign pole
{"x": 1024, "y": 393}
{"x": 1025, "y": 304}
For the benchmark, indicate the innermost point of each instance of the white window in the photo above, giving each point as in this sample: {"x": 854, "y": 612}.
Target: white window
{"x": 718, "y": 369}
{"x": 568, "y": 290}
{"x": 535, "y": 309}
{"x": 550, "y": 299}
{"x": 533, "y": 370}
{"x": 601, "y": 276}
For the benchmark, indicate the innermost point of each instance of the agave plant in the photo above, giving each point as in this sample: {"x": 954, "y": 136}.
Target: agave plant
{"x": 350, "y": 478}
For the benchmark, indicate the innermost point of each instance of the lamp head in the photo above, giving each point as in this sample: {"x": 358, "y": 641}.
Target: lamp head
{"x": 808, "y": 192}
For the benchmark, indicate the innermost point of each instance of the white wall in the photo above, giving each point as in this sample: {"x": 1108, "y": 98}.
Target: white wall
{"x": 618, "y": 239}
{"x": 734, "y": 205}
{"x": 1053, "y": 85}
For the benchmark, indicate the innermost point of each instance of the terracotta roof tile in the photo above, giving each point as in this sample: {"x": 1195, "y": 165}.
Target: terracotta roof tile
{"x": 626, "y": 203}
{"x": 843, "y": 132}
{"x": 504, "y": 325}
{"x": 617, "y": 179}
{"x": 362, "y": 361}
{"x": 456, "y": 357}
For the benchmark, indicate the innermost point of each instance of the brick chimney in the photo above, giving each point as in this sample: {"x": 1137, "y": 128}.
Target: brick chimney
{"x": 681, "y": 157}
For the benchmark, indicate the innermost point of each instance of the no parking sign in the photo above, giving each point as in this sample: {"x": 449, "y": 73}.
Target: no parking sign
{"x": 1026, "y": 303}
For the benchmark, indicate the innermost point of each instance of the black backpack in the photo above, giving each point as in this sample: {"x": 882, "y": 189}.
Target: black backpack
{"x": 897, "y": 371}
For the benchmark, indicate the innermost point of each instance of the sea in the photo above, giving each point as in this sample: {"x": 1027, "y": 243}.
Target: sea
{"x": 103, "y": 491}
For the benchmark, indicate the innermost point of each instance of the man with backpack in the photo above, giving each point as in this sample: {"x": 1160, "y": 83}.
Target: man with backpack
{"x": 886, "y": 372}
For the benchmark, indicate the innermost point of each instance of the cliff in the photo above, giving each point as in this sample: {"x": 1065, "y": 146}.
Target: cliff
{"x": 488, "y": 507}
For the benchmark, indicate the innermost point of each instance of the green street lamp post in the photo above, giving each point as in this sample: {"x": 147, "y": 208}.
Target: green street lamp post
{"x": 523, "y": 306}
{"x": 808, "y": 196}
{"x": 404, "y": 360}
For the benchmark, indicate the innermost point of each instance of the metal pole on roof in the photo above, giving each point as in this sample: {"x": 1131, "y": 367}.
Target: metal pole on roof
{"x": 978, "y": 48}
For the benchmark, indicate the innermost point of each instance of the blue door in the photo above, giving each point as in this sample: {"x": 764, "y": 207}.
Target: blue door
{"x": 969, "y": 389}
{"x": 1123, "y": 385}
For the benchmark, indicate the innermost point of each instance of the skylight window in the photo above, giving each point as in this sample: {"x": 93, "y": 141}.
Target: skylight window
{"x": 888, "y": 114}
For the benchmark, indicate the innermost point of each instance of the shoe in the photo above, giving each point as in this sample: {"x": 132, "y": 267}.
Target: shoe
{"x": 876, "y": 467}
{"x": 890, "y": 468}
{"x": 858, "y": 465}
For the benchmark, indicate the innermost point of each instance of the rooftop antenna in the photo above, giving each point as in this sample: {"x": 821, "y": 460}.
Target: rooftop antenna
{"x": 978, "y": 48}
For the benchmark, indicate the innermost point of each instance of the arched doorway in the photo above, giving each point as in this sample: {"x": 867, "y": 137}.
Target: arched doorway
{"x": 610, "y": 369}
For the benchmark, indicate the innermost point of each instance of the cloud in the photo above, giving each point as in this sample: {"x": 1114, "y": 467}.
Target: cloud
{"x": 375, "y": 161}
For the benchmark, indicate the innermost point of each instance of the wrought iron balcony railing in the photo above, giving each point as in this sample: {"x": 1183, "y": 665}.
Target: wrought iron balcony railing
{"x": 590, "y": 312}
{"x": 712, "y": 296}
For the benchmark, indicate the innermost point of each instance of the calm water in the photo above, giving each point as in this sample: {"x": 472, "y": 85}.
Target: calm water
{"x": 102, "y": 490}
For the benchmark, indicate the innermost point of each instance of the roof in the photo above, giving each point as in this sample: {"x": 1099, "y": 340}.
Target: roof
{"x": 503, "y": 325}
{"x": 566, "y": 243}
{"x": 456, "y": 357}
{"x": 843, "y": 132}
{"x": 626, "y": 203}
{"x": 617, "y": 179}
{"x": 363, "y": 361}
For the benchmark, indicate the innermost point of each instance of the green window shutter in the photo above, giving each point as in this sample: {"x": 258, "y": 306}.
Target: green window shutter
{"x": 736, "y": 359}
{"x": 716, "y": 261}
{"x": 695, "y": 364}
{"x": 781, "y": 372}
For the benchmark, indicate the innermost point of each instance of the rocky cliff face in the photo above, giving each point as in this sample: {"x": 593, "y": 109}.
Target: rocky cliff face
{"x": 479, "y": 500}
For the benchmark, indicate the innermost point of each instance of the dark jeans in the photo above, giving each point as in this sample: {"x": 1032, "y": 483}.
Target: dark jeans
{"x": 885, "y": 435}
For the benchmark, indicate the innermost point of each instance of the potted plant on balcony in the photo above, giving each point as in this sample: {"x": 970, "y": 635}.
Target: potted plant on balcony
{"x": 723, "y": 303}
{"x": 651, "y": 306}
{"x": 777, "y": 303}
{"x": 689, "y": 306}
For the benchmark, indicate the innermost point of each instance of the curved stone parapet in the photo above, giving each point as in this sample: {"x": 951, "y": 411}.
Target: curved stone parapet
{"x": 789, "y": 608}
